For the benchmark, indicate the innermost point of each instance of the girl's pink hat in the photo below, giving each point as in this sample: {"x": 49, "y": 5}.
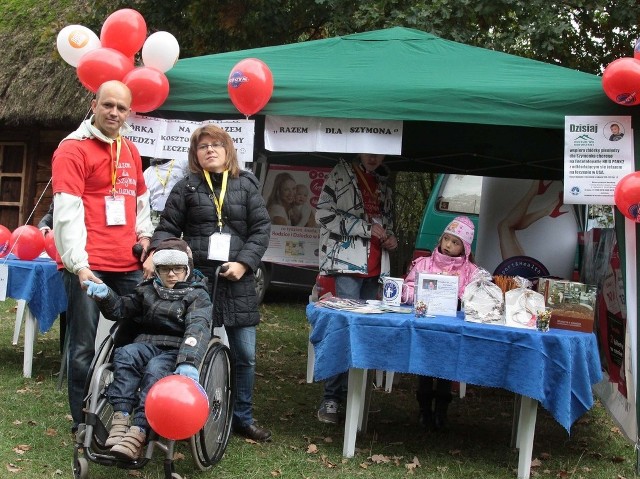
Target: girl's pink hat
{"x": 462, "y": 227}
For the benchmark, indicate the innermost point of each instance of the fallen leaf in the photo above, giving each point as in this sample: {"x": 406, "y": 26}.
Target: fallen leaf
{"x": 50, "y": 432}
{"x": 135, "y": 473}
{"x": 21, "y": 448}
{"x": 250, "y": 441}
{"x": 328, "y": 440}
{"x": 17, "y": 422}
{"x": 57, "y": 472}
{"x": 379, "y": 459}
{"x": 276, "y": 473}
{"x": 312, "y": 449}
{"x": 178, "y": 456}
{"x": 13, "y": 468}
{"x": 617, "y": 459}
{"x": 364, "y": 465}
{"x": 410, "y": 467}
{"x": 455, "y": 452}
{"x": 536, "y": 462}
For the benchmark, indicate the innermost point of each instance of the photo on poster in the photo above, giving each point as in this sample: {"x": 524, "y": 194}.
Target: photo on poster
{"x": 291, "y": 194}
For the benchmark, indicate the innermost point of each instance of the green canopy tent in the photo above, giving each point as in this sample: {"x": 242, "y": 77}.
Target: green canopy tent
{"x": 465, "y": 109}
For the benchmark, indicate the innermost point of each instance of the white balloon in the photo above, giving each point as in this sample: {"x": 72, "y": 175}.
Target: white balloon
{"x": 74, "y": 41}
{"x": 160, "y": 51}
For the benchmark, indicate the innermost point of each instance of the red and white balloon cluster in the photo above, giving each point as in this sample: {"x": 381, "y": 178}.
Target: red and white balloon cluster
{"x": 621, "y": 79}
{"x": 111, "y": 57}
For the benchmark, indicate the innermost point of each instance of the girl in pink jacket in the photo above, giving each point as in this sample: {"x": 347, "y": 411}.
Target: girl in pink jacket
{"x": 452, "y": 256}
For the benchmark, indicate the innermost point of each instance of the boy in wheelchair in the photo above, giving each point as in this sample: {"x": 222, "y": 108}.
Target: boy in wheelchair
{"x": 173, "y": 313}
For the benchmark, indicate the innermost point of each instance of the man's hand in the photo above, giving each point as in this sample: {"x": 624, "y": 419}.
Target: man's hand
{"x": 85, "y": 274}
{"x": 148, "y": 269}
{"x": 234, "y": 271}
{"x": 390, "y": 243}
{"x": 145, "y": 242}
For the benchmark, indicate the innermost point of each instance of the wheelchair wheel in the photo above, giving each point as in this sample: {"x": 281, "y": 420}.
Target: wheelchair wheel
{"x": 216, "y": 376}
{"x": 99, "y": 377}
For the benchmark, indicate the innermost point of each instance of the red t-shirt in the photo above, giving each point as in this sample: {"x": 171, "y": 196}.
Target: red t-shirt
{"x": 371, "y": 200}
{"x": 83, "y": 168}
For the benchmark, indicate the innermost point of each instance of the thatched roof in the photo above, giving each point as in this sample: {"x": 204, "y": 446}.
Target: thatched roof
{"x": 37, "y": 87}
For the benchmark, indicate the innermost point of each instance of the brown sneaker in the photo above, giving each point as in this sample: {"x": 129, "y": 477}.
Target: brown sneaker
{"x": 254, "y": 432}
{"x": 119, "y": 427}
{"x": 131, "y": 445}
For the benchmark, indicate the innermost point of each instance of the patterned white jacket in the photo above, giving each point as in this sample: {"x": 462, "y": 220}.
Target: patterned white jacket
{"x": 345, "y": 230}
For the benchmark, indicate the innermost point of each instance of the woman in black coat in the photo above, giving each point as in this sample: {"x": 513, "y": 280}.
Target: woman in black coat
{"x": 219, "y": 212}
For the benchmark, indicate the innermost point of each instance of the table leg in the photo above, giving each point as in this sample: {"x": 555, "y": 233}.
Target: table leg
{"x": 354, "y": 403}
{"x": 526, "y": 431}
{"x": 30, "y": 331}
{"x": 21, "y": 305}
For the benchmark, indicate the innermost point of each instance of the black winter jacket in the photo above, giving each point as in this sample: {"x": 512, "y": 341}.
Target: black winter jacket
{"x": 178, "y": 318}
{"x": 190, "y": 212}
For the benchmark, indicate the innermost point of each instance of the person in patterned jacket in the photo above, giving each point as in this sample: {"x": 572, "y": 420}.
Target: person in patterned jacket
{"x": 173, "y": 313}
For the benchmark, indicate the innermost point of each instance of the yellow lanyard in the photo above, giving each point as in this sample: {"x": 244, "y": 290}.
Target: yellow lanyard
{"x": 165, "y": 180}
{"x": 114, "y": 164}
{"x": 223, "y": 190}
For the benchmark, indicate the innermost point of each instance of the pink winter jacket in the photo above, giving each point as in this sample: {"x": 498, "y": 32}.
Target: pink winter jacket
{"x": 438, "y": 263}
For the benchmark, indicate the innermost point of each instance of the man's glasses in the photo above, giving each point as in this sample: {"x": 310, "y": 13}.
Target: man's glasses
{"x": 206, "y": 146}
{"x": 171, "y": 269}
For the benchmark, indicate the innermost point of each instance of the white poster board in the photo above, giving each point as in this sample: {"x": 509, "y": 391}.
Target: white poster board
{"x": 598, "y": 152}
{"x": 291, "y": 194}
{"x": 162, "y": 138}
{"x": 337, "y": 135}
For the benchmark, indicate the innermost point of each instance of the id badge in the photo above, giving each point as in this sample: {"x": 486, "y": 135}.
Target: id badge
{"x": 114, "y": 208}
{"x": 219, "y": 246}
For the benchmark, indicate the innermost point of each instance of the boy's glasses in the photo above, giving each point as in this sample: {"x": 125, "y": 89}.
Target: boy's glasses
{"x": 171, "y": 269}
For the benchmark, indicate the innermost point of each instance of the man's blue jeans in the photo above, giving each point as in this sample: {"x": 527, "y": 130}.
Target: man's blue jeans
{"x": 242, "y": 342}
{"x": 348, "y": 287}
{"x": 82, "y": 322}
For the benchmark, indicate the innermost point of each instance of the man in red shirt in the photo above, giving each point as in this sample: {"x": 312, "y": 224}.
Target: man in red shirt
{"x": 101, "y": 209}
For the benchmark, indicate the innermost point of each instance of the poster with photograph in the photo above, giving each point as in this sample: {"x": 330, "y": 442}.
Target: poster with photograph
{"x": 438, "y": 291}
{"x": 598, "y": 152}
{"x": 291, "y": 194}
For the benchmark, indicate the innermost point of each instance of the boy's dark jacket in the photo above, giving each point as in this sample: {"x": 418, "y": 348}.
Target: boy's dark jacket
{"x": 167, "y": 317}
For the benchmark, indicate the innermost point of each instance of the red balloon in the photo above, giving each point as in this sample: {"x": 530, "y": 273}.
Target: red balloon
{"x": 101, "y": 65}
{"x": 50, "y": 246}
{"x": 627, "y": 196}
{"x": 621, "y": 81}
{"x": 149, "y": 88}
{"x": 124, "y": 30}
{"x": 250, "y": 85}
{"x": 176, "y": 407}
{"x": 5, "y": 241}
{"x": 27, "y": 242}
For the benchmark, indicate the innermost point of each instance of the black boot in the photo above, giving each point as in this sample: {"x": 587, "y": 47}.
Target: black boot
{"x": 443, "y": 398}
{"x": 425, "y": 395}
{"x": 440, "y": 420}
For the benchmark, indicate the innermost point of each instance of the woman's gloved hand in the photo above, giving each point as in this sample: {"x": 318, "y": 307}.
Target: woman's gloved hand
{"x": 95, "y": 290}
{"x": 188, "y": 370}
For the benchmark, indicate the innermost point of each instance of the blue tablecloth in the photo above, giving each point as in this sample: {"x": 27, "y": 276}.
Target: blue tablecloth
{"x": 40, "y": 284}
{"x": 557, "y": 368}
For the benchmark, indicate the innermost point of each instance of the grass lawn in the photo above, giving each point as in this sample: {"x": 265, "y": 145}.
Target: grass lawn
{"x": 35, "y": 442}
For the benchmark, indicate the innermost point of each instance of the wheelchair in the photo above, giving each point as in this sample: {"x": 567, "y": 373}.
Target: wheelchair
{"x": 207, "y": 445}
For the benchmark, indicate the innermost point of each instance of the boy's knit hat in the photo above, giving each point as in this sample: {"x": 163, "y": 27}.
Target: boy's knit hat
{"x": 173, "y": 252}
{"x": 462, "y": 227}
